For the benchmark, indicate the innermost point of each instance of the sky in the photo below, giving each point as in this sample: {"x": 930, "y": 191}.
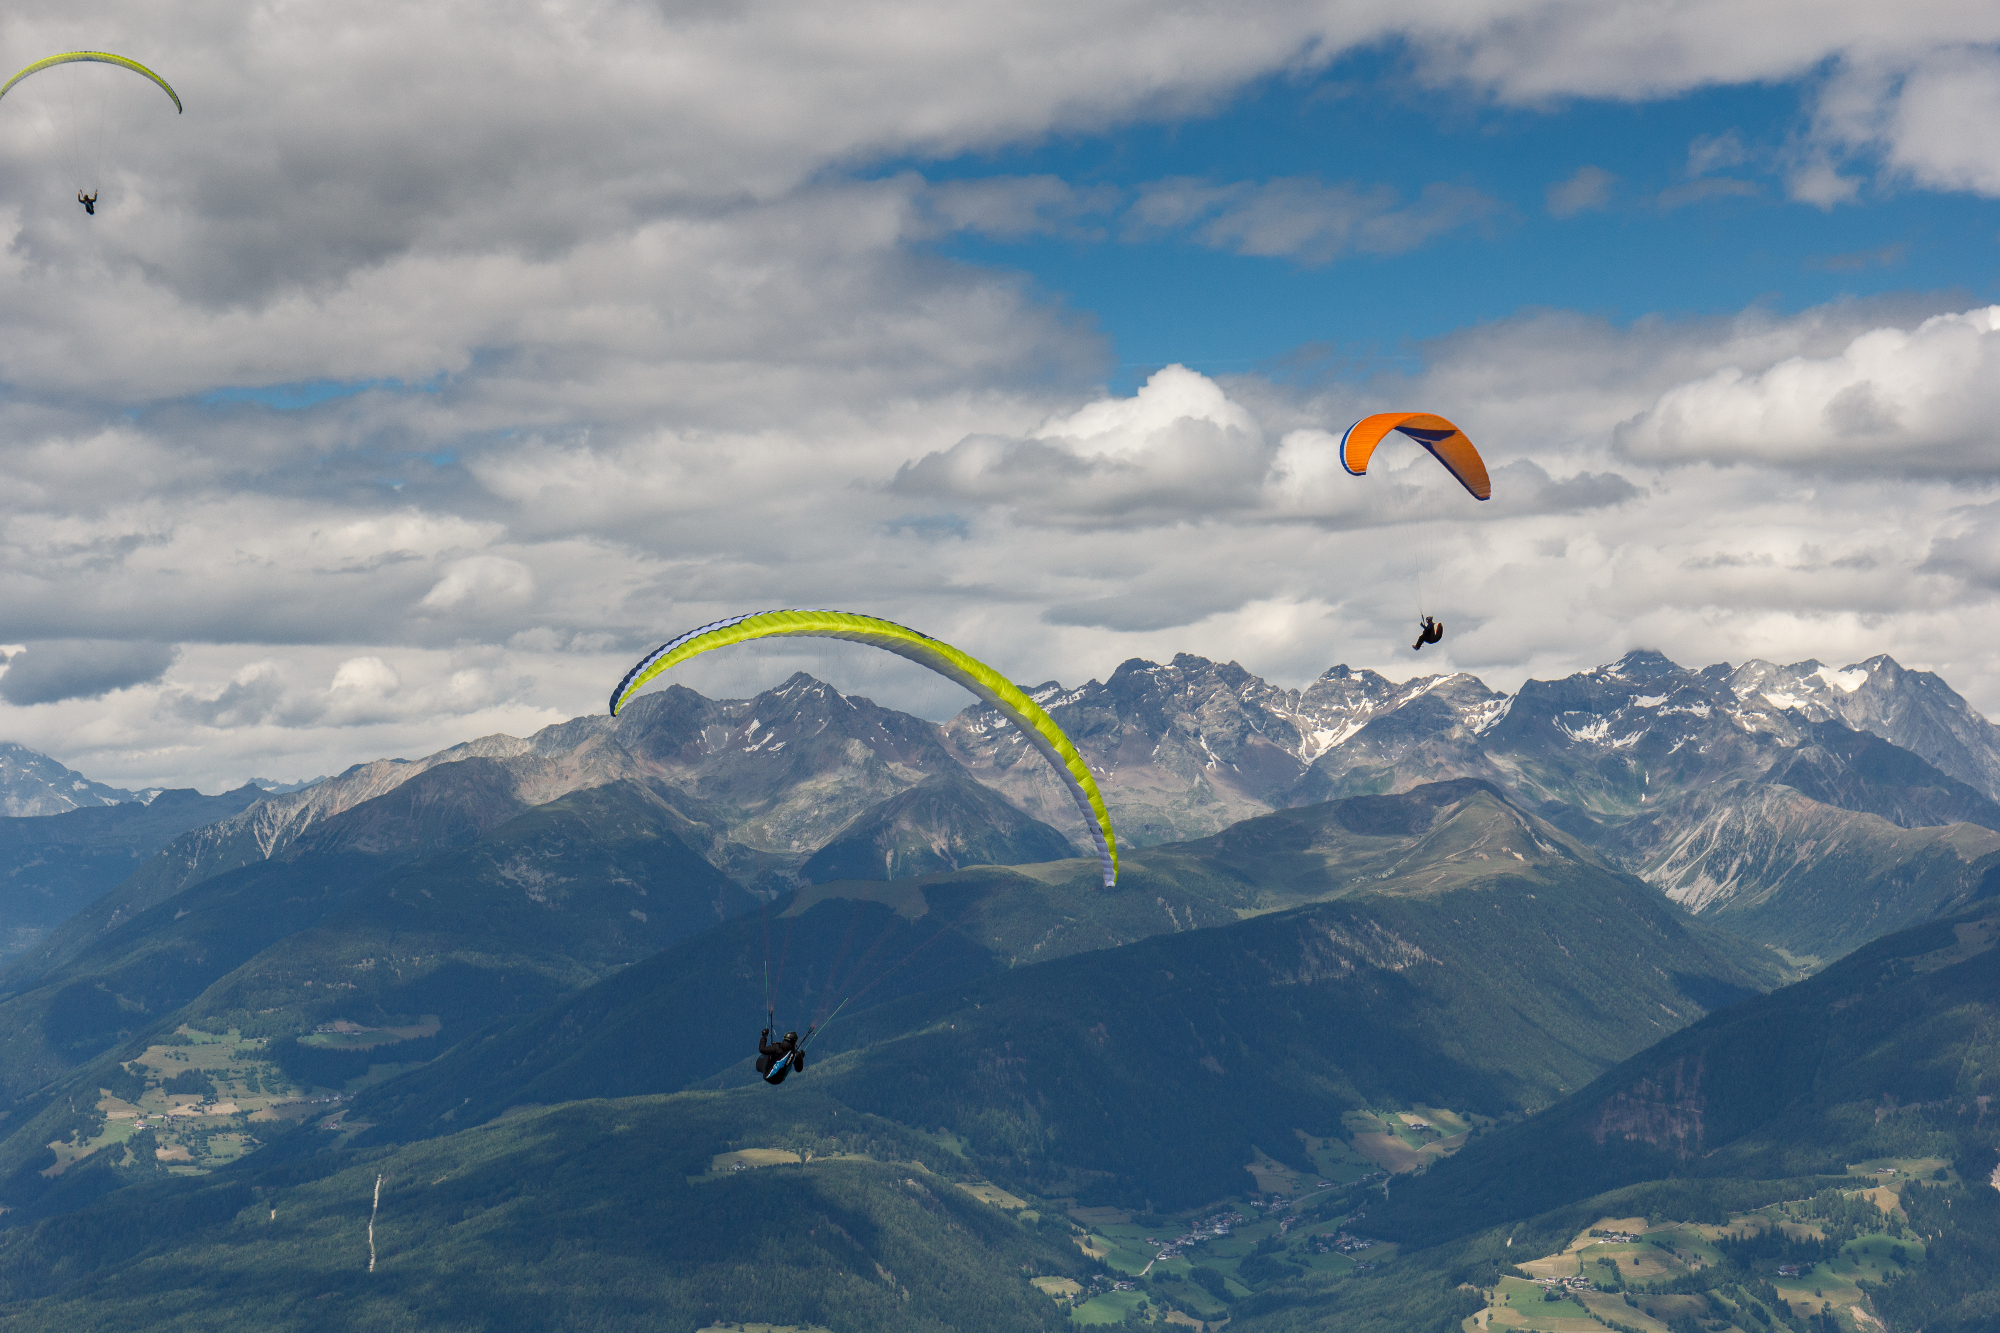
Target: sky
{"x": 438, "y": 361}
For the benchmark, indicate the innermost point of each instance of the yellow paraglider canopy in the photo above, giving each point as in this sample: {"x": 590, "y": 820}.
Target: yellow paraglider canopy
{"x": 1040, "y": 729}
{"x": 97, "y": 57}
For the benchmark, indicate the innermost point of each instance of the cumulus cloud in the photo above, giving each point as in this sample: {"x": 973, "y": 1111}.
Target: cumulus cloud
{"x": 278, "y": 693}
{"x": 53, "y": 670}
{"x": 1057, "y": 532}
{"x": 1919, "y": 400}
{"x": 1178, "y": 446}
{"x": 483, "y": 584}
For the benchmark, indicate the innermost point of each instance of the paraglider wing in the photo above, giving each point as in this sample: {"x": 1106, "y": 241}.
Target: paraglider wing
{"x": 947, "y": 661}
{"x": 1446, "y": 442}
{"x": 98, "y": 57}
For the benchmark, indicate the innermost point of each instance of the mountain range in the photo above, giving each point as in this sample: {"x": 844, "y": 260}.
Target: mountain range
{"x": 1474, "y": 907}
{"x": 1686, "y": 778}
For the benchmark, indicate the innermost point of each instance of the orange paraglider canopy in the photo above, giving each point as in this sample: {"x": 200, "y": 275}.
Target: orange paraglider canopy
{"x": 1446, "y": 442}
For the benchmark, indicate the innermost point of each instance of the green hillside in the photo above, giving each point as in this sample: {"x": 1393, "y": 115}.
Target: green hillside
{"x": 1245, "y": 1030}
{"x": 1820, "y": 1159}
{"x": 549, "y": 901}
{"x": 448, "y": 806}
{"x": 417, "y": 954}
{"x": 594, "y": 1216}
{"x": 1787, "y": 1084}
{"x": 1471, "y": 976}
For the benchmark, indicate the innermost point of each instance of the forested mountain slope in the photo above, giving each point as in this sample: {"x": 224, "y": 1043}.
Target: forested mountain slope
{"x": 1452, "y": 947}
{"x": 1892, "y": 1052}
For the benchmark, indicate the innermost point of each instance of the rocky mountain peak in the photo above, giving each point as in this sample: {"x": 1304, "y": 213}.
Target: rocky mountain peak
{"x": 1913, "y": 709}
{"x": 1644, "y": 664}
{"x": 31, "y": 784}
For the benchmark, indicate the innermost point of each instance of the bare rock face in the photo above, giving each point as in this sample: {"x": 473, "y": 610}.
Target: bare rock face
{"x": 1189, "y": 748}
{"x": 1770, "y": 863}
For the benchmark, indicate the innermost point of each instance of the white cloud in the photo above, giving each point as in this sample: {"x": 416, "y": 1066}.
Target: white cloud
{"x": 484, "y": 584}
{"x": 1588, "y": 189}
{"x": 1193, "y": 515}
{"x": 1012, "y": 208}
{"x": 1304, "y": 219}
{"x": 1177, "y": 447}
{"x": 1929, "y": 115}
{"x": 1921, "y": 400}
{"x": 52, "y": 671}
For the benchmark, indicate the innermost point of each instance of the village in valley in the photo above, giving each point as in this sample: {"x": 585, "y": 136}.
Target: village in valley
{"x": 197, "y": 1100}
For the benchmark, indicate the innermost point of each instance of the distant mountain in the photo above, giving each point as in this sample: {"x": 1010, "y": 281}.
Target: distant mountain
{"x": 33, "y": 784}
{"x": 1914, "y": 710}
{"x": 1765, "y": 861}
{"x": 52, "y": 866}
{"x": 479, "y": 905}
{"x": 1634, "y": 757}
{"x": 1191, "y": 747}
{"x": 272, "y": 787}
{"x": 775, "y": 777}
{"x": 1357, "y": 896}
{"x": 548, "y": 901}
{"x": 945, "y": 822}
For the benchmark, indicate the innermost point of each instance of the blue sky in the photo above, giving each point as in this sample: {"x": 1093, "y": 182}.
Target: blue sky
{"x": 1642, "y": 251}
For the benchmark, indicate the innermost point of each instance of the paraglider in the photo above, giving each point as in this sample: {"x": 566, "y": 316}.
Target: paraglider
{"x": 778, "y": 1059}
{"x": 1446, "y": 443}
{"x": 982, "y": 680}
{"x": 84, "y": 140}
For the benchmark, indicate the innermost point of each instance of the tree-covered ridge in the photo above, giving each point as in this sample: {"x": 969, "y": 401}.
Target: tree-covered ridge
{"x": 1889, "y": 1053}
{"x": 1491, "y": 970}
{"x": 582, "y": 1217}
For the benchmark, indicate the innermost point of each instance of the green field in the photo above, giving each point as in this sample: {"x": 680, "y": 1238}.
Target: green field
{"x": 1110, "y": 1308}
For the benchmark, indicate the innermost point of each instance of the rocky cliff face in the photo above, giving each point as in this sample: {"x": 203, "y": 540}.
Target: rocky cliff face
{"x": 1193, "y": 746}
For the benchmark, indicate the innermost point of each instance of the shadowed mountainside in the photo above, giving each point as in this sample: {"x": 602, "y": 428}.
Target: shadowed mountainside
{"x": 1451, "y": 946}
{"x": 945, "y": 822}
{"x": 1892, "y": 1052}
